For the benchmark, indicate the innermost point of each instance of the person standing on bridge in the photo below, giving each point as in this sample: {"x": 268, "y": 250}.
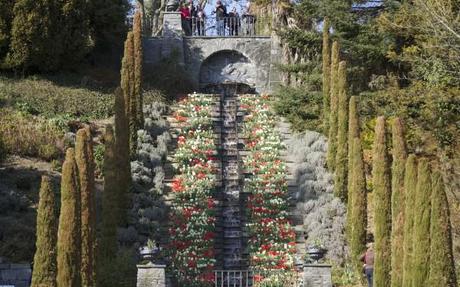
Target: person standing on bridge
{"x": 199, "y": 20}
{"x": 221, "y": 13}
{"x": 186, "y": 18}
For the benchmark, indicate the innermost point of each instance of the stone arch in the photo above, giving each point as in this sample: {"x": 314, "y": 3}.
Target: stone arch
{"x": 227, "y": 66}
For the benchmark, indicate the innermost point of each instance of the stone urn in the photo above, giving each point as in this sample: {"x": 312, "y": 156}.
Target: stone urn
{"x": 315, "y": 253}
{"x": 150, "y": 254}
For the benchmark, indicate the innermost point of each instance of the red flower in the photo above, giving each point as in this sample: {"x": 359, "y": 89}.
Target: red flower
{"x": 258, "y": 278}
{"x": 266, "y": 247}
{"x": 212, "y": 158}
{"x": 191, "y": 263}
{"x": 180, "y": 118}
{"x": 210, "y": 203}
{"x": 177, "y": 185}
{"x": 209, "y": 235}
{"x": 201, "y": 175}
{"x": 207, "y": 277}
{"x": 181, "y": 140}
{"x": 209, "y": 253}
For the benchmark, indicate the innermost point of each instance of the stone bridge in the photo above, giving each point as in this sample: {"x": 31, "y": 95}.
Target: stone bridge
{"x": 250, "y": 60}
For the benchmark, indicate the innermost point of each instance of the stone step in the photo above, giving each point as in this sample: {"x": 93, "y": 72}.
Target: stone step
{"x": 227, "y": 126}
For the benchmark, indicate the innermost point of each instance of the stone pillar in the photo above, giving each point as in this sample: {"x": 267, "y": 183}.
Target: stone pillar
{"x": 276, "y": 58}
{"x": 151, "y": 275}
{"x": 317, "y": 275}
{"x": 173, "y": 43}
{"x": 172, "y": 25}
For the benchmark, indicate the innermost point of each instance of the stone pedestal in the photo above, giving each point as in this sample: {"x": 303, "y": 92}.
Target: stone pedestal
{"x": 151, "y": 275}
{"x": 317, "y": 275}
{"x": 172, "y": 24}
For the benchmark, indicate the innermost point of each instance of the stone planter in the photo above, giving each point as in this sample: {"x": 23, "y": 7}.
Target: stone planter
{"x": 315, "y": 253}
{"x": 149, "y": 254}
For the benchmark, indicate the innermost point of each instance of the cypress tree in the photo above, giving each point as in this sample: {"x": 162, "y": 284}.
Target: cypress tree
{"x": 122, "y": 156}
{"x": 85, "y": 164}
{"x": 399, "y": 153}
{"x": 332, "y": 136}
{"x": 138, "y": 64}
{"x": 442, "y": 266}
{"x": 410, "y": 183}
{"x": 358, "y": 195}
{"x": 341, "y": 162}
{"x": 35, "y": 37}
{"x": 353, "y": 132}
{"x": 108, "y": 243}
{"x": 326, "y": 74}
{"x": 382, "y": 206}
{"x": 129, "y": 87}
{"x": 422, "y": 215}
{"x": 127, "y": 71}
{"x": 44, "y": 271}
{"x": 69, "y": 232}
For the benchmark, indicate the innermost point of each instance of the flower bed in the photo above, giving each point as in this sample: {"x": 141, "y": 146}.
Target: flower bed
{"x": 271, "y": 236}
{"x": 192, "y": 216}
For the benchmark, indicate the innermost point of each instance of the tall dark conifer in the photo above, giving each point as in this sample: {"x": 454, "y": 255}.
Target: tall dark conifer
{"x": 74, "y": 31}
{"x": 326, "y": 75}
{"x": 332, "y": 135}
{"x": 358, "y": 195}
{"x": 353, "y": 132}
{"x": 35, "y": 38}
{"x": 6, "y": 20}
{"x": 341, "y": 160}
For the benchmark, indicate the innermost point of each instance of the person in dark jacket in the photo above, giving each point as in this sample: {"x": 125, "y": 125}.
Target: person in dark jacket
{"x": 221, "y": 13}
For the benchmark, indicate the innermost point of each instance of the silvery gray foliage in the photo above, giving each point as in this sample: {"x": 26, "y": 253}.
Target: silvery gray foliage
{"x": 323, "y": 215}
{"x": 148, "y": 209}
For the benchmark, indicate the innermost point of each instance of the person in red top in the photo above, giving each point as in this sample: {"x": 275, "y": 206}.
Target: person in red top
{"x": 186, "y": 18}
{"x": 368, "y": 259}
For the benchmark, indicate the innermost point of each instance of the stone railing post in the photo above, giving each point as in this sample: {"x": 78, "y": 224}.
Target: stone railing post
{"x": 151, "y": 275}
{"x": 317, "y": 275}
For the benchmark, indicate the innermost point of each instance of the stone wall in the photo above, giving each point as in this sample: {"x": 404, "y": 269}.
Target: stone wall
{"x": 253, "y": 68}
{"x": 18, "y": 275}
{"x": 260, "y": 56}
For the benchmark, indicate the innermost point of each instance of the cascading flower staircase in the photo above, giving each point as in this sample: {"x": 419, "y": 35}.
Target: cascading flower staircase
{"x": 229, "y": 220}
